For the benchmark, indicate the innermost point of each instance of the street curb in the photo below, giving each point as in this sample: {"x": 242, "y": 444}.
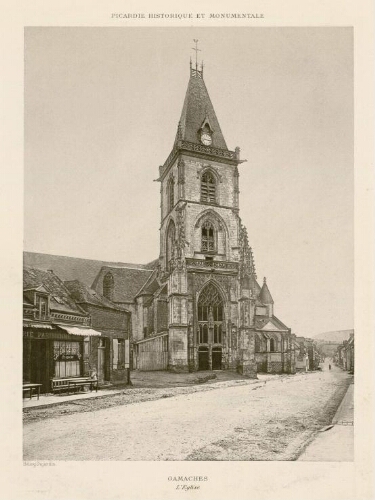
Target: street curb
{"x": 202, "y": 387}
{"x": 335, "y": 420}
{"x": 326, "y": 428}
{"x": 57, "y": 403}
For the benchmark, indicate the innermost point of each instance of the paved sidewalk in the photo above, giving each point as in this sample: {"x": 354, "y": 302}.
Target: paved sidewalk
{"x": 337, "y": 443}
{"x": 152, "y": 380}
{"x": 56, "y": 399}
{"x": 159, "y": 380}
{"x": 345, "y": 413}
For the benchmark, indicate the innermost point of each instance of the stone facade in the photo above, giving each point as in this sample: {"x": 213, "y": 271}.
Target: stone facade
{"x": 203, "y": 293}
{"x": 199, "y": 305}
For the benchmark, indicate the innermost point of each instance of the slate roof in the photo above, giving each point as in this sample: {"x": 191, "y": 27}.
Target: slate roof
{"x": 196, "y": 109}
{"x": 73, "y": 268}
{"x": 27, "y": 301}
{"x": 127, "y": 281}
{"x": 60, "y": 298}
{"x": 83, "y": 294}
{"x": 150, "y": 286}
{"x": 265, "y": 295}
{"x": 152, "y": 265}
{"x": 280, "y": 323}
{"x": 254, "y": 285}
{"x": 262, "y": 321}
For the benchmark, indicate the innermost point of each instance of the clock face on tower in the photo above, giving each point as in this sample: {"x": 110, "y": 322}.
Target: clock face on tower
{"x": 206, "y": 138}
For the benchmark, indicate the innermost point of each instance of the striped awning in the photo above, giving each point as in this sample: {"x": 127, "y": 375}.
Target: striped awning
{"x": 82, "y": 332}
{"x": 45, "y": 326}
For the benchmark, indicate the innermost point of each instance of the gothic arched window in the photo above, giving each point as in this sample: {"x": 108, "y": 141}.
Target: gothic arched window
{"x": 171, "y": 237}
{"x": 208, "y": 237}
{"x": 272, "y": 345}
{"x": 108, "y": 286}
{"x": 208, "y": 187}
{"x": 170, "y": 193}
{"x": 210, "y": 315}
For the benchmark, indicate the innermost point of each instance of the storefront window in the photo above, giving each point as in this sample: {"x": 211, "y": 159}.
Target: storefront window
{"x": 67, "y": 356}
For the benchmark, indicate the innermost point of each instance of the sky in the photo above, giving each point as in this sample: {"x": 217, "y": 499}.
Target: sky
{"x": 101, "y": 113}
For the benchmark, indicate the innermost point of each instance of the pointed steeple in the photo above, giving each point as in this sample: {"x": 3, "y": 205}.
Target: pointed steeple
{"x": 198, "y": 113}
{"x": 265, "y": 296}
{"x": 198, "y": 131}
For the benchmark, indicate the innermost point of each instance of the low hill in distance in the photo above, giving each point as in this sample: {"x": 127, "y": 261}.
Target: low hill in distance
{"x": 336, "y": 336}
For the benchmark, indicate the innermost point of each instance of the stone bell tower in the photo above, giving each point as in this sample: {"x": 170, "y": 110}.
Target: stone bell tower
{"x": 205, "y": 261}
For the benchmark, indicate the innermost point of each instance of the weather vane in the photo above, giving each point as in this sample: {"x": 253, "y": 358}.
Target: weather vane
{"x": 196, "y": 52}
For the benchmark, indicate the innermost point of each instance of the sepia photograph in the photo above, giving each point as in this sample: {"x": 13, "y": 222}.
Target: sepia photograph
{"x": 188, "y": 259}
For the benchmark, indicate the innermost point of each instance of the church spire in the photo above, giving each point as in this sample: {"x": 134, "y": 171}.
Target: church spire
{"x": 265, "y": 296}
{"x": 198, "y": 131}
{"x": 198, "y": 114}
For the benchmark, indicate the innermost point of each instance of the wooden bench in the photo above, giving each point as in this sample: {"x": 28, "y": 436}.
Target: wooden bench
{"x": 30, "y": 387}
{"x": 74, "y": 383}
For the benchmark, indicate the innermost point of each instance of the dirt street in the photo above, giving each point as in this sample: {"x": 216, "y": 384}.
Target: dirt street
{"x": 271, "y": 419}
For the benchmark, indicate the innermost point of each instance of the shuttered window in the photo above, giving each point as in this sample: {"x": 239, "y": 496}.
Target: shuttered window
{"x": 208, "y": 187}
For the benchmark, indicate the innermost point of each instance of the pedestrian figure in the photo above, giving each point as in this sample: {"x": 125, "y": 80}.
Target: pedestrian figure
{"x": 329, "y": 366}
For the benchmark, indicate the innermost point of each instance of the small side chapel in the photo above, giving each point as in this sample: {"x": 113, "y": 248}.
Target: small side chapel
{"x": 201, "y": 308}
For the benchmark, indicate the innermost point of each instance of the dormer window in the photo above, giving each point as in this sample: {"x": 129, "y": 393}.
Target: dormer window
{"x": 206, "y": 132}
{"x": 41, "y": 303}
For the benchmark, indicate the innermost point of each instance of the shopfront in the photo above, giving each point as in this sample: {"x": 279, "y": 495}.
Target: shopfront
{"x": 55, "y": 351}
{"x": 67, "y": 357}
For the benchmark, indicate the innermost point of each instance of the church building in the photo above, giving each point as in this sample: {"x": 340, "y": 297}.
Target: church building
{"x": 199, "y": 305}
{"x": 201, "y": 308}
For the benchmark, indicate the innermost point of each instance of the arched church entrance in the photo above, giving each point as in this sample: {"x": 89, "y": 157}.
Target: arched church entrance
{"x": 210, "y": 320}
{"x": 216, "y": 358}
{"x": 203, "y": 358}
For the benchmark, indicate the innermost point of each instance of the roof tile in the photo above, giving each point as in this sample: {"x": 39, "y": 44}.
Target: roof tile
{"x": 61, "y": 300}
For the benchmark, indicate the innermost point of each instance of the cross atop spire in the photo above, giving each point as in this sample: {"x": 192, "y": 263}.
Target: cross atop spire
{"x": 198, "y": 73}
{"x": 196, "y": 52}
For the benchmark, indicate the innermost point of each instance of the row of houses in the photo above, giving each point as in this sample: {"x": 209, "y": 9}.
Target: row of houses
{"x": 344, "y": 357}
{"x": 70, "y": 330}
{"x": 308, "y": 356}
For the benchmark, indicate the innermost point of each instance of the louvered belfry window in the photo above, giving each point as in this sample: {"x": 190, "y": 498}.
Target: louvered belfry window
{"x": 208, "y": 187}
{"x": 208, "y": 237}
